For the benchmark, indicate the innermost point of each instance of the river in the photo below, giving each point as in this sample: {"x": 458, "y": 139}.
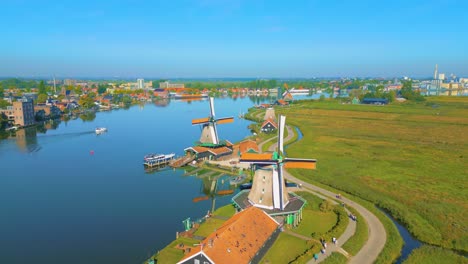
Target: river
{"x": 70, "y": 196}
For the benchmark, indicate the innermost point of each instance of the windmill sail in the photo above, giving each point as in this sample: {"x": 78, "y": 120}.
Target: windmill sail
{"x": 282, "y": 121}
{"x": 212, "y": 111}
{"x": 268, "y": 187}
{"x": 210, "y": 132}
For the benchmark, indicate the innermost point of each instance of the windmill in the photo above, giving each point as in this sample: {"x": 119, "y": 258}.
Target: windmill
{"x": 287, "y": 96}
{"x": 209, "y": 136}
{"x": 268, "y": 188}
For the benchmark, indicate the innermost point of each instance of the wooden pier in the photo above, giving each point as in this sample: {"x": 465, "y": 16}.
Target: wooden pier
{"x": 182, "y": 161}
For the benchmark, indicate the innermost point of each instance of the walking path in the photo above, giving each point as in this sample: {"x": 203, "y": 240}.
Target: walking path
{"x": 260, "y": 146}
{"x": 377, "y": 234}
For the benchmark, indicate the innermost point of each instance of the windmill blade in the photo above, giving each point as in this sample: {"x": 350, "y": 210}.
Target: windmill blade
{"x": 282, "y": 121}
{"x": 225, "y": 120}
{"x": 280, "y": 183}
{"x": 266, "y": 159}
{"x": 200, "y": 121}
{"x": 291, "y": 163}
{"x": 212, "y": 107}
{"x": 200, "y": 198}
{"x": 216, "y": 139}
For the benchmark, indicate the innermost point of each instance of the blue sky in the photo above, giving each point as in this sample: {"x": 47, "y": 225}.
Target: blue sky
{"x": 233, "y": 38}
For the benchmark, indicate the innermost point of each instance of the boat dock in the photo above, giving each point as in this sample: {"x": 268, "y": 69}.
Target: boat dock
{"x": 182, "y": 161}
{"x": 158, "y": 162}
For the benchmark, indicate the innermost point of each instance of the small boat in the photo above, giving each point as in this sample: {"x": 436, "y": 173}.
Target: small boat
{"x": 100, "y": 130}
{"x": 190, "y": 96}
{"x": 237, "y": 180}
{"x": 157, "y": 159}
{"x": 246, "y": 186}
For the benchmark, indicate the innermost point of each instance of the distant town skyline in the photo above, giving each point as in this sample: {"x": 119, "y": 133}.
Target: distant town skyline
{"x": 233, "y": 39}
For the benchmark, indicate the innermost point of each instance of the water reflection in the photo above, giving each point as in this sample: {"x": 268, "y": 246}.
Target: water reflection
{"x": 88, "y": 116}
{"x": 26, "y": 139}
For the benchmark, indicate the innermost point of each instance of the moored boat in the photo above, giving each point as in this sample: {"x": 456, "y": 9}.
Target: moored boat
{"x": 157, "y": 159}
{"x": 190, "y": 96}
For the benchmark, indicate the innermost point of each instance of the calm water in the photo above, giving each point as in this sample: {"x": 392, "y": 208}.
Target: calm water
{"x": 61, "y": 204}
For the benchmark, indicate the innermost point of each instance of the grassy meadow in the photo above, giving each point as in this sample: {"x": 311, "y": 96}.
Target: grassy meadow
{"x": 407, "y": 158}
{"x": 434, "y": 255}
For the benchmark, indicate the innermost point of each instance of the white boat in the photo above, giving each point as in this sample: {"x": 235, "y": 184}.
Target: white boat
{"x": 156, "y": 159}
{"x": 100, "y": 130}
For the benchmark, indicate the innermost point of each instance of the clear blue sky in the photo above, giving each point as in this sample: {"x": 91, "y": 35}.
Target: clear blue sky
{"x": 223, "y": 38}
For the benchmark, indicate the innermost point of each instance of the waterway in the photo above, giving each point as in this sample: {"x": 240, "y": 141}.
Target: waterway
{"x": 411, "y": 243}
{"x": 70, "y": 196}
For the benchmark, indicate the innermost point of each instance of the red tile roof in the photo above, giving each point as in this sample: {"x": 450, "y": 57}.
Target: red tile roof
{"x": 273, "y": 123}
{"x": 239, "y": 238}
{"x": 215, "y": 151}
{"x": 247, "y": 145}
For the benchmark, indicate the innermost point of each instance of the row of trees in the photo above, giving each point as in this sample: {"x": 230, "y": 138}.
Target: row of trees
{"x": 408, "y": 92}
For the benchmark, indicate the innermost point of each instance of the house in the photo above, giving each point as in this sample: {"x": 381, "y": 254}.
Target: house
{"x": 161, "y": 93}
{"x": 246, "y": 146}
{"x": 211, "y": 153}
{"x": 375, "y": 101}
{"x": 264, "y": 106}
{"x": 43, "y": 111}
{"x": 281, "y": 102}
{"x": 107, "y": 99}
{"x": 244, "y": 238}
{"x": 268, "y": 126}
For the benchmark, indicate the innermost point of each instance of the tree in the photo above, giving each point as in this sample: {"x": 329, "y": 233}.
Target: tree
{"x": 41, "y": 98}
{"x": 86, "y": 102}
{"x": 2, "y": 90}
{"x": 4, "y": 103}
{"x": 127, "y": 101}
{"x": 102, "y": 88}
{"x": 326, "y": 206}
{"x": 408, "y": 93}
{"x": 42, "y": 89}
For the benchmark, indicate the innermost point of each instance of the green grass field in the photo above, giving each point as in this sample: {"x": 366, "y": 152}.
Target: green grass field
{"x": 335, "y": 258}
{"x": 209, "y": 226}
{"x": 225, "y": 211}
{"x": 407, "y": 158}
{"x": 295, "y": 247}
{"x": 170, "y": 254}
{"x": 434, "y": 255}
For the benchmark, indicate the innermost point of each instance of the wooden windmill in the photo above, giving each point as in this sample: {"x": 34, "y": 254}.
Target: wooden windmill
{"x": 287, "y": 96}
{"x": 209, "y": 136}
{"x": 268, "y": 188}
